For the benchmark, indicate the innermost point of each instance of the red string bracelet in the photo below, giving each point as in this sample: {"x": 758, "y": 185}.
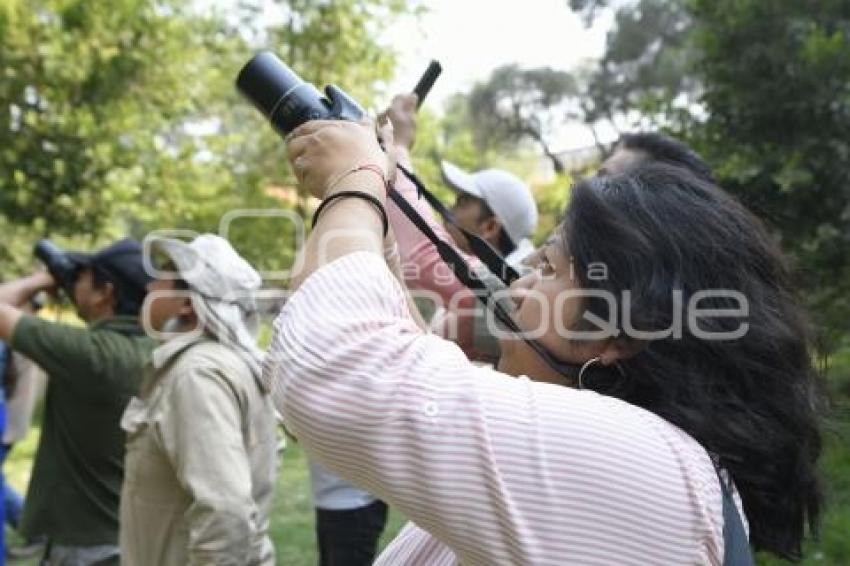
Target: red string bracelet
{"x": 376, "y": 169}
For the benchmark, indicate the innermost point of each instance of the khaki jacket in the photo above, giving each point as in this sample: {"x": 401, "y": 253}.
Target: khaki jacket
{"x": 201, "y": 462}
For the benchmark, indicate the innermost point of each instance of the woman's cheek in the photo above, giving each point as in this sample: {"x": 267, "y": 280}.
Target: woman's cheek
{"x": 529, "y": 314}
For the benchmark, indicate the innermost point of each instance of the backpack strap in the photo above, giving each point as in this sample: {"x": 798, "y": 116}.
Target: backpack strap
{"x": 736, "y": 544}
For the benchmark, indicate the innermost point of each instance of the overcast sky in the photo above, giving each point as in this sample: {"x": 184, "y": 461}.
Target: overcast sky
{"x": 472, "y": 37}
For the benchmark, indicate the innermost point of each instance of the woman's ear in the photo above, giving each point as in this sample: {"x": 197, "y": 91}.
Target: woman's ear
{"x": 620, "y": 349}
{"x": 489, "y": 229}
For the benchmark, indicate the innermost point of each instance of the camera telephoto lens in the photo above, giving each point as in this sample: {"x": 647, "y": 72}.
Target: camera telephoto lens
{"x": 280, "y": 94}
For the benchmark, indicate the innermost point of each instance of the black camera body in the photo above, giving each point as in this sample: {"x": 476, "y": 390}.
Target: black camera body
{"x": 288, "y": 101}
{"x": 63, "y": 269}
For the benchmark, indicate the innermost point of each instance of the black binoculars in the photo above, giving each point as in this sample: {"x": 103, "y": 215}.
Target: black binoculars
{"x": 59, "y": 264}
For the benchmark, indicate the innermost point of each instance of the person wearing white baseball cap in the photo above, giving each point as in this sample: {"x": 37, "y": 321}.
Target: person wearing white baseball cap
{"x": 201, "y": 436}
{"x": 493, "y": 204}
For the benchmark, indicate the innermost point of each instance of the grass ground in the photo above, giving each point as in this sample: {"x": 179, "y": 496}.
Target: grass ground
{"x": 292, "y": 515}
{"x": 292, "y": 518}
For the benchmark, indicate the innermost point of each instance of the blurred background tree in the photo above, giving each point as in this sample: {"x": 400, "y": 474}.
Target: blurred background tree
{"x": 92, "y": 94}
{"x": 517, "y": 104}
{"x": 776, "y": 95}
{"x": 644, "y": 78}
{"x": 122, "y": 116}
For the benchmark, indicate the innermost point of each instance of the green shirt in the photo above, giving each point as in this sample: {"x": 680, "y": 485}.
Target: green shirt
{"x": 75, "y": 487}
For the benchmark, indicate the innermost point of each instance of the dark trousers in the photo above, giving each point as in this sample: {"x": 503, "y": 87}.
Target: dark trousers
{"x": 350, "y": 537}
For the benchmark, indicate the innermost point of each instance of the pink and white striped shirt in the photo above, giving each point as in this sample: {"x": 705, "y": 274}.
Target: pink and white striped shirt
{"x": 489, "y": 468}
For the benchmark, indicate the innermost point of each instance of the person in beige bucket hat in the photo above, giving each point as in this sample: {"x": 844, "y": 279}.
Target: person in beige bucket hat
{"x": 201, "y": 436}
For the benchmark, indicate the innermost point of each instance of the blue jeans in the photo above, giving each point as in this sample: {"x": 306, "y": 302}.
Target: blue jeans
{"x": 3, "y": 483}
{"x": 4, "y": 354}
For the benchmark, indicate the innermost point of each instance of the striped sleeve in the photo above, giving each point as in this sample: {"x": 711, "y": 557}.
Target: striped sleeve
{"x": 387, "y": 407}
{"x": 497, "y": 470}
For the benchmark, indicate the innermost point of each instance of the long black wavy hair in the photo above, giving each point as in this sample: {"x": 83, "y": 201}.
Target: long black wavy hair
{"x": 751, "y": 402}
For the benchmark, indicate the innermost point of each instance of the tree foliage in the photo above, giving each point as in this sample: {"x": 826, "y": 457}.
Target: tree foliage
{"x": 95, "y": 100}
{"x": 776, "y": 80}
{"x": 122, "y": 116}
{"x": 516, "y": 104}
{"x": 644, "y": 75}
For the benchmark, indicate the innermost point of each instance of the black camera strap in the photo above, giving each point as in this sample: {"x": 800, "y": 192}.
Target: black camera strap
{"x": 480, "y": 247}
{"x": 467, "y": 275}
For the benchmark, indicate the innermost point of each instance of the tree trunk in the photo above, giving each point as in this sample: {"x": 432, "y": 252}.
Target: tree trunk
{"x": 603, "y": 151}
{"x": 556, "y": 161}
{"x": 557, "y": 164}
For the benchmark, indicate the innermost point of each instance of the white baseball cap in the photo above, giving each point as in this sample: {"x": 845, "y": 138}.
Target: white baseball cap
{"x": 507, "y": 196}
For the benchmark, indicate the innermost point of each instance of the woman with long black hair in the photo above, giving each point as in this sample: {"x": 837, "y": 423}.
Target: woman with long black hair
{"x": 665, "y": 403}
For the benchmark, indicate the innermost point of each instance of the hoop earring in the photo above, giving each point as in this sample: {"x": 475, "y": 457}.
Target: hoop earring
{"x": 584, "y": 366}
{"x": 592, "y": 361}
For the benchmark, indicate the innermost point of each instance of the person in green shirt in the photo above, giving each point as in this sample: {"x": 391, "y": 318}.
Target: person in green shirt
{"x": 74, "y": 492}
